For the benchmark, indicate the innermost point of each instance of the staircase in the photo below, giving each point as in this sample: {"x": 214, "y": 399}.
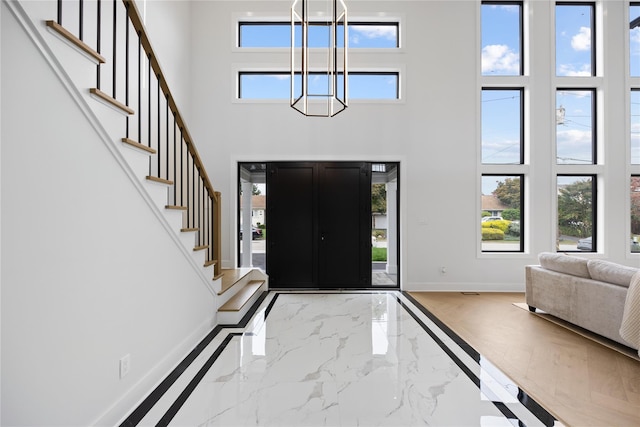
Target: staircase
{"x": 152, "y": 141}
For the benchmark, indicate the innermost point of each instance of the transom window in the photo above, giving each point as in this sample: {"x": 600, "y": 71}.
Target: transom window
{"x": 277, "y": 85}
{"x": 379, "y": 35}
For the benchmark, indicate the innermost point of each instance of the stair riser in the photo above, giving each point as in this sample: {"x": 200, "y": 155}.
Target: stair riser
{"x": 234, "y": 317}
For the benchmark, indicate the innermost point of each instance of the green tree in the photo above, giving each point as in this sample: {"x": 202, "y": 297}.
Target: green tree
{"x": 378, "y": 198}
{"x": 255, "y": 190}
{"x": 511, "y": 214}
{"x": 635, "y": 204}
{"x": 508, "y": 192}
{"x": 575, "y": 209}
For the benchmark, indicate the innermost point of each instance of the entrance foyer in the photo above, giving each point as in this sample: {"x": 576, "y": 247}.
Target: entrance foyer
{"x": 342, "y": 359}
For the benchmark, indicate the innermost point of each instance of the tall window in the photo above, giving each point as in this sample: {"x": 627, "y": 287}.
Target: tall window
{"x": 575, "y": 126}
{"x": 501, "y": 217}
{"x": 502, "y": 130}
{"x": 635, "y": 213}
{"x": 634, "y": 39}
{"x": 576, "y": 213}
{"x": 501, "y": 38}
{"x": 575, "y": 31}
{"x": 379, "y": 35}
{"x": 635, "y": 126}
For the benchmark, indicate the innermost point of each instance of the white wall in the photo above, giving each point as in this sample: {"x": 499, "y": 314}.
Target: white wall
{"x": 433, "y": 132}
{"x": 168, "y": 26}
{"x": 89, "y": 274}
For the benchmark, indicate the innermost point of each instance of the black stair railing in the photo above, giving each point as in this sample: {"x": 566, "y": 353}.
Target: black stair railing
{"x": 129, "y": 73}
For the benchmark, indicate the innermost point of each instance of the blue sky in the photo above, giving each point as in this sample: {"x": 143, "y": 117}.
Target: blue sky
{"x": 501, "y": 56}
{"x": 360, "y": 36}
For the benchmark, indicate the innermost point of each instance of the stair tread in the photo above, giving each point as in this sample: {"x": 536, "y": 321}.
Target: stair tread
{"x": 201, "y": 247}
{"x": 137, "y": 145}
{"x": 242, "y": 297}
{"x": 111, "y": 101}
{"x": 75, "y": 41}
{"x": 232, "y": 276}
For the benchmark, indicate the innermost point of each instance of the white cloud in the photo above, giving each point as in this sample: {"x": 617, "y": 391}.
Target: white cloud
{"x": 634, "y": 36}
{"x": 371, "y": 32}
{"x": 582, "y": 40}
{"x": 574, "y": 146}
{"x": 570, "y": 70}
{"x": 499, "y": 58}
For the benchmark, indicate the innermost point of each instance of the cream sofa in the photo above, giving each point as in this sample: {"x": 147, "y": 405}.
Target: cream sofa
{"x": 588, "y": 293}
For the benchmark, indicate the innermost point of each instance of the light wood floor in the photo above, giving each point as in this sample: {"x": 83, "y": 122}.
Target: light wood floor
{"x": 580, "y": 382}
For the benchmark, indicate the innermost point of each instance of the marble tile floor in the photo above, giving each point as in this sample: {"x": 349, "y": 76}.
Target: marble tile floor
{"x": 361, "y": 358}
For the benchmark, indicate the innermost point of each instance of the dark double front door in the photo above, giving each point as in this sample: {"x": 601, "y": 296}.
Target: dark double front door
{"x": 319, "y": 217}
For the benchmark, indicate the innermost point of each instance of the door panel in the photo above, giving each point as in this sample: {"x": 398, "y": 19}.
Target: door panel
{"x": 344, "y": 206}
{"x": 291, "y": 255}
{"x": 319, "y": 232}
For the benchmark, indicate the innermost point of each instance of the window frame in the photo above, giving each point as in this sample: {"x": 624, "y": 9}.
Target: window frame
{"x": 522, "y": 122}
{"x": 594, "y": 210}
{"x": 521, "y": 176}
{"x": 637, "y": 21}
{"x": 593, "y": 22}
{"x": 520, "y": 5}
{"x": 245, "y": 22}
{"x": 288, "y": 74}
{"x": 631, "y": 177}
{"x": 594, "y": 124}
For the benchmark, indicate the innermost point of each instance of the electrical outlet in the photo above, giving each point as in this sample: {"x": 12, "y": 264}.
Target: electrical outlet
{"x": 125, "y": 365}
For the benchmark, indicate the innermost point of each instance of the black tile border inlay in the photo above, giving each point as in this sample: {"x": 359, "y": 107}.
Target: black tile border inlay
{"x": 143, "y": 409}
{"x": 527, "y": 401}
{"x": 136, "y": 416}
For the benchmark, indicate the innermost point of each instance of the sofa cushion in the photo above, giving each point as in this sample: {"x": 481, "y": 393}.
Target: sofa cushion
{"x": 610, "y": 272}
{"x": 562, "y": 263}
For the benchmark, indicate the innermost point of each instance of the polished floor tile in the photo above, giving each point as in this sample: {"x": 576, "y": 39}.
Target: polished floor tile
{"x": 343, "y": 359}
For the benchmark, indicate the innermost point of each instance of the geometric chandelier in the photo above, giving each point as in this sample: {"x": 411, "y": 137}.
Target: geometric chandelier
{"x": 319, "y": 74}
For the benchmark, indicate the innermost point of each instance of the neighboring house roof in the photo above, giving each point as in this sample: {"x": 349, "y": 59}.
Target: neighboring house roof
{"x": 492, "y": 203}
{"x": 257, "y": 202}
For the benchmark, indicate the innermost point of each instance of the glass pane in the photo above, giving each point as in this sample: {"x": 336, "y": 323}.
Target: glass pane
{"x": 501, "y": 215}
{"x": 634, "y": 39}
{"x": 574, "y": 126}
{"x": 574, "y": 40}
{"x": 278, "y": 34}
{"x": 635, "y": 213}
{"x": 265, "y": 86}
{"x": 635, "y": 127}
{"x": 265, "y": 35}
{"x": 576, "y": 225}
{"x": 501, "y": 126}
{"x": 277, "y": 85}
{"x": 365, "y": 35}
{"x": 501, "y": 39}
{"x": 373, "y": 86}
